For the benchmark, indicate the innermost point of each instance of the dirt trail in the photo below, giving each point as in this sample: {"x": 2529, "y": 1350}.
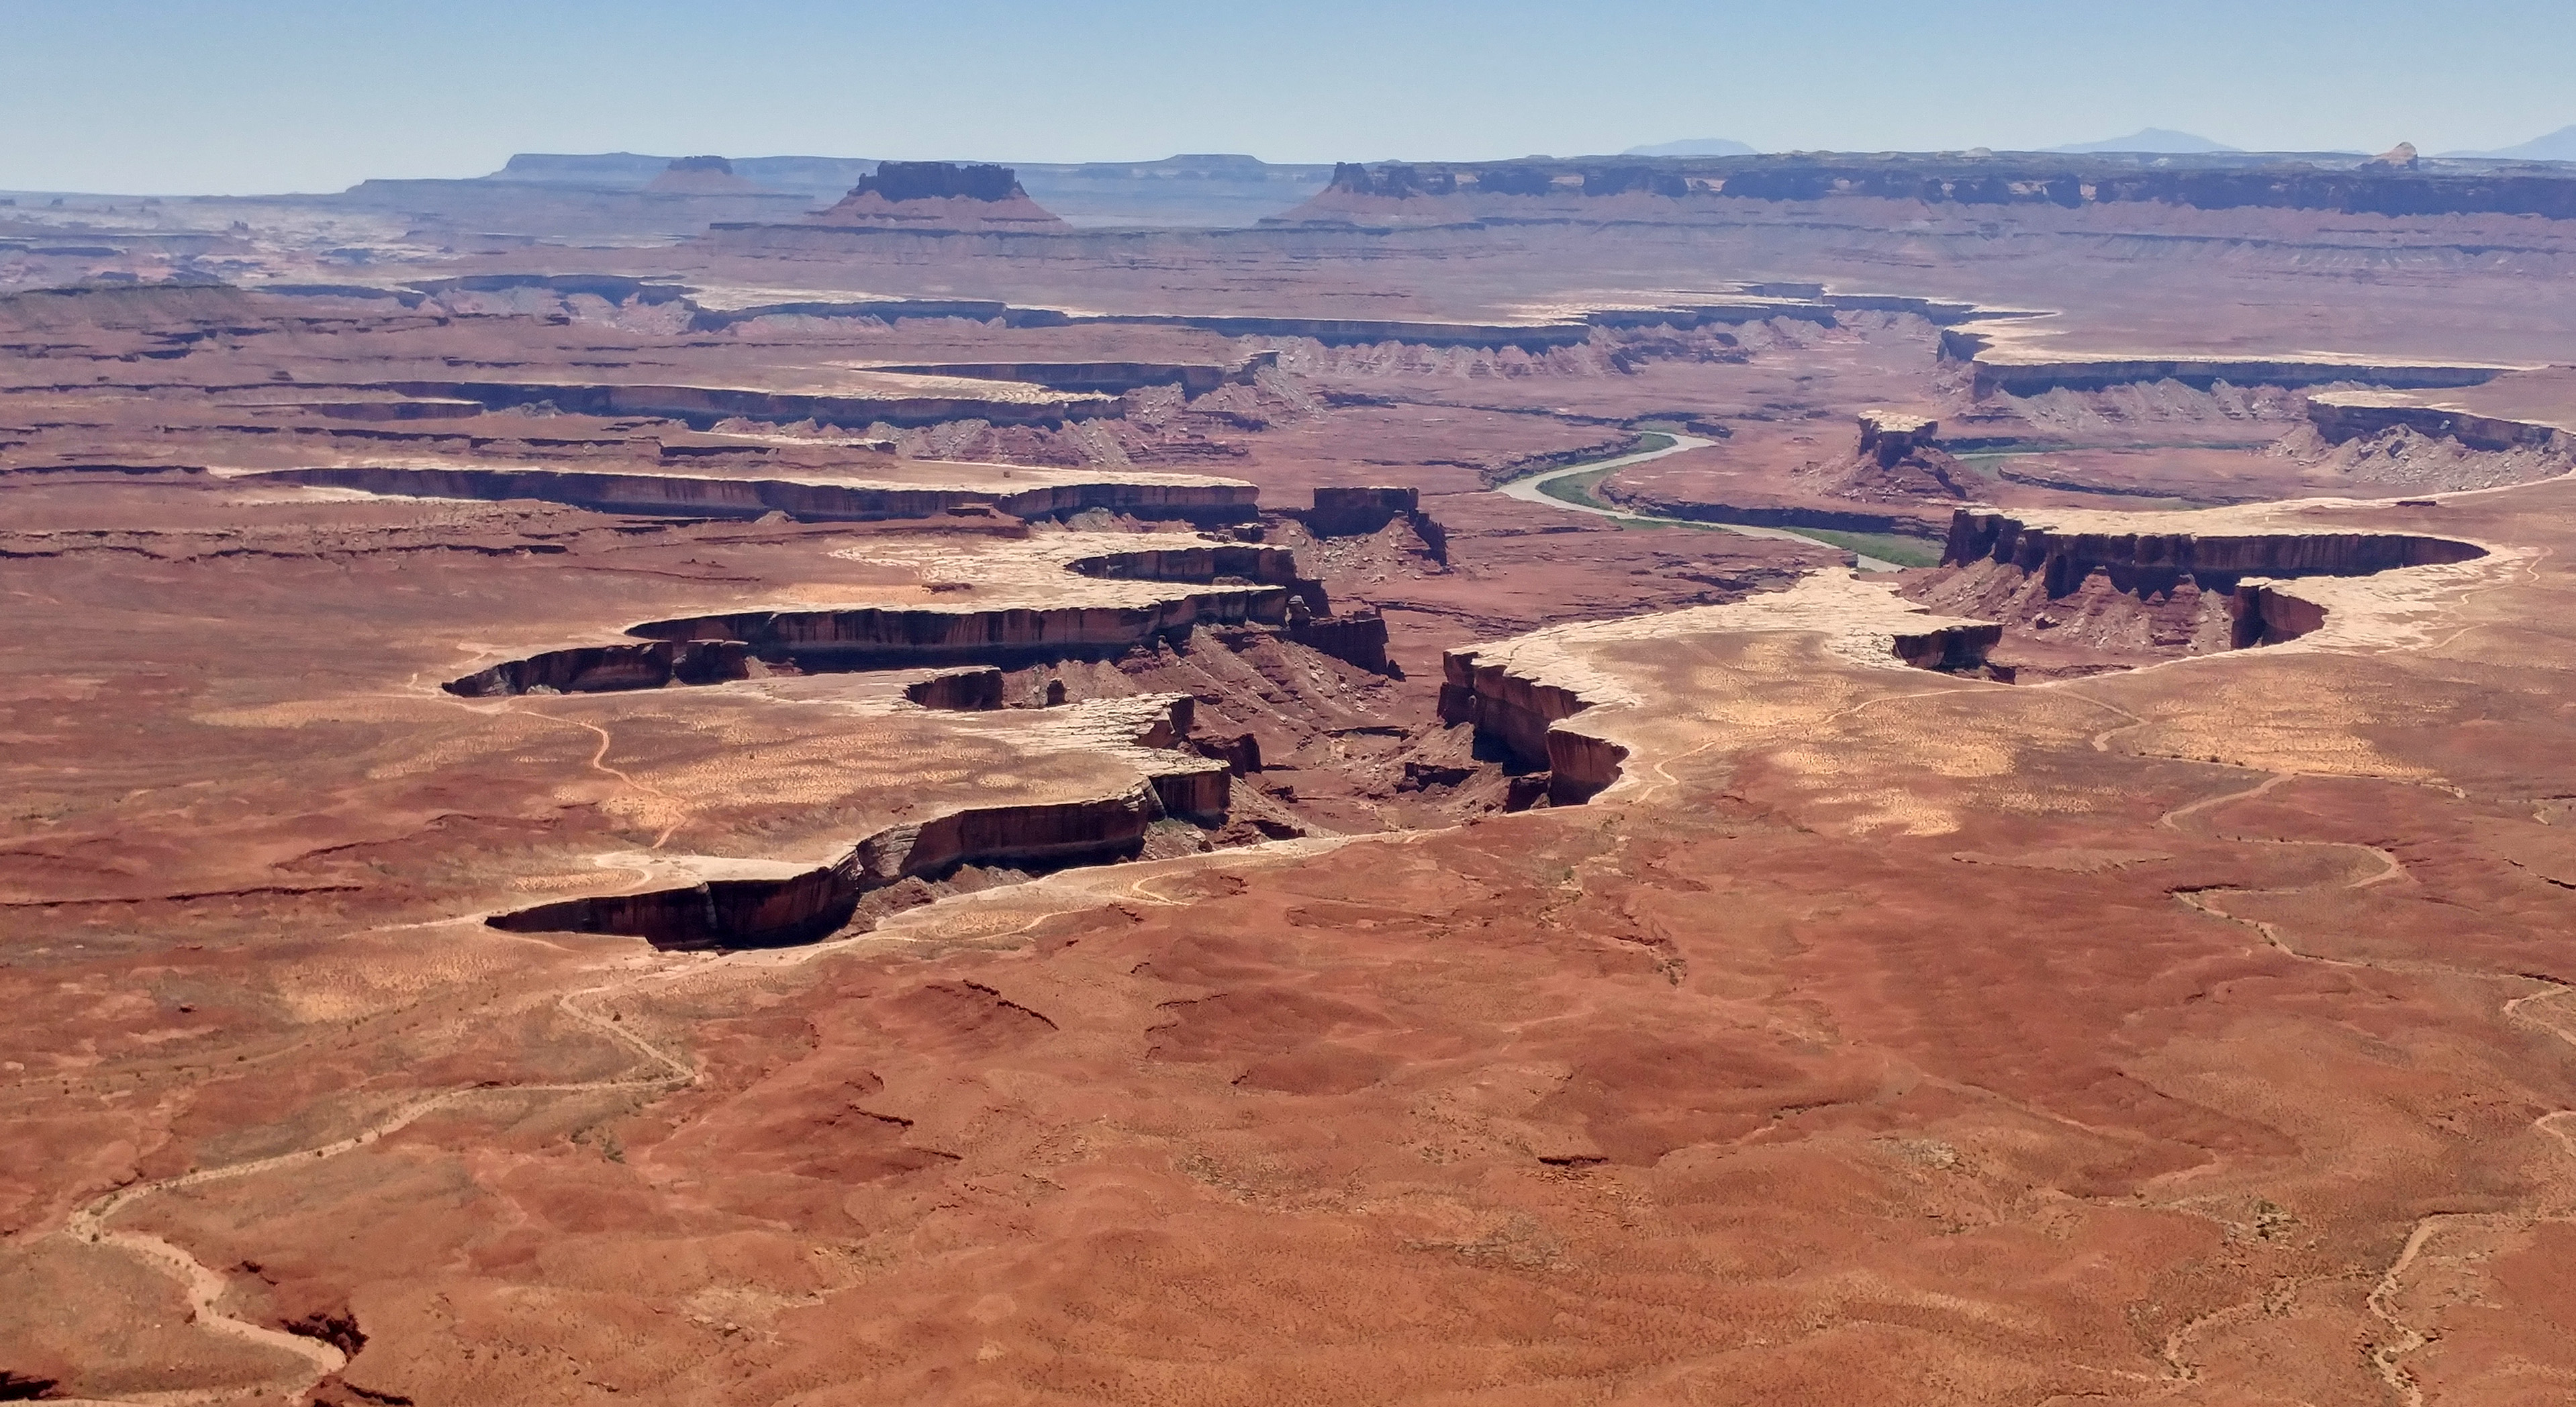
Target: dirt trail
{"x": 205, "y": 1288}
{"x": 2402, "y": 1338}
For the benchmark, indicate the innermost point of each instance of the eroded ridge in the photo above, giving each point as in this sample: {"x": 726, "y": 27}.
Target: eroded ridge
{"x": 2081, "y": 593}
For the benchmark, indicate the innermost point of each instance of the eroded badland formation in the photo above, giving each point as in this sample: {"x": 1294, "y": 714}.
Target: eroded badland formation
{"x": 659, "y": 788}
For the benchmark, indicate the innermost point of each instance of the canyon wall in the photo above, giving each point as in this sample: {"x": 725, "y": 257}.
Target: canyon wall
{"x": 710, "y": 496}
{"x": 888, "y": 637}
{"x": 2018, "y": 374}
{"x": 2150, "y": 561}
{"x": 704, "y": 406}
{"x": 601, "y": 668}
{"x": 2343, "y": 417}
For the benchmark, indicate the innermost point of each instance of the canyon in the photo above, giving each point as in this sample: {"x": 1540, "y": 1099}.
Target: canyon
{"x": 1929, "y": 778}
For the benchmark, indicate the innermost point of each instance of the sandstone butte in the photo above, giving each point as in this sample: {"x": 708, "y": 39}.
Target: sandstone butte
{"x": 1625, "y": 781}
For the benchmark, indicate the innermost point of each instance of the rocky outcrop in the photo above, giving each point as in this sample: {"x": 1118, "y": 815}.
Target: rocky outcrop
{"x": 604, "y": 668}
{"x": 1357, "y": 638}
{"x": 1356, "y": 512}
{"x": 1889, "y": 435}
{"x": 1204, "y": 501}
{"x": 1949, "y": 648}
{"x": 2262, "y": 613}
{"x": 1523, "y": 715}
{"x": 2156, "y": 562}
{"x": 2342, "y": 417}
{"x": 959, "y": 690}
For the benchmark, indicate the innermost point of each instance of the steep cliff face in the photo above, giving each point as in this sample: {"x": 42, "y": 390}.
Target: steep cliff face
{"x": 2156, "y": 560}
{"x": 2076, "y": 602}
{"x": 1949, "y": 648}
{"x": 1073, "y": 832}
{"x": 2346, "y": 416}
{"x": 1357, "y": 638}
{"x": 873, "y": 637}
{"x": 959, "y": 690}
{"x": 602, "y": 668}
{"x": 745, "y": 904}
{"x": 1266, "y": 566}
{"x": 2015, "y": 372}
{"x": 1107, "y": 378}
{"x": 2263, "y": 613}
{"x": 722, "y": 913}
{"x": 1205, "y": 501}
{"x": 1509, "y": 708}
{"x": 1889, "y": 435}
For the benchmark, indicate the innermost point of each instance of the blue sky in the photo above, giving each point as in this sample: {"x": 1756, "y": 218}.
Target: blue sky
{"x": 230, "y": 96}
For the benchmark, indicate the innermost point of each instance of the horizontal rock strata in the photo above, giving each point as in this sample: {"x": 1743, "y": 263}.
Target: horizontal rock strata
{"x": 876, "y": 637}
{"x": 703, "y": 406}
{"x": 2341, "y": 417}
{"x": 2156, "y": 561}
{"x": 2018, "y": 374}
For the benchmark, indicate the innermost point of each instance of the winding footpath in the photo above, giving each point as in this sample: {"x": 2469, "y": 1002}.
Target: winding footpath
{"x": 1534, "y": 490}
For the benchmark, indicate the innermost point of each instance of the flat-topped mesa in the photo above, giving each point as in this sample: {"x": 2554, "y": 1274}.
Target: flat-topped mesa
{"x": 1394, "y": 180}
{"x": 700, "y": 175}
{"x": 1889, "y": 435}
{"x": 1362, "y": 510}
{"x": 940, "y": 196}
{"x": 940, "y": 180}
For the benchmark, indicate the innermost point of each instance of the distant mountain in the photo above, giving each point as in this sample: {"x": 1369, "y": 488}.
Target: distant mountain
{"x": 2557, "y": 146}
{"x": 2163, "y": 139}
{"x": 1696, "y": 146}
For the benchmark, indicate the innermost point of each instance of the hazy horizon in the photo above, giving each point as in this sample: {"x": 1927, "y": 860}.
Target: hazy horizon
{"x": 221, "y": 97}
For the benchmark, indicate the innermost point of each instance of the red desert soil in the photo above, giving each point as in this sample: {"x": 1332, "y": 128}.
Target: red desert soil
{"x": 2190, "y": 1021}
